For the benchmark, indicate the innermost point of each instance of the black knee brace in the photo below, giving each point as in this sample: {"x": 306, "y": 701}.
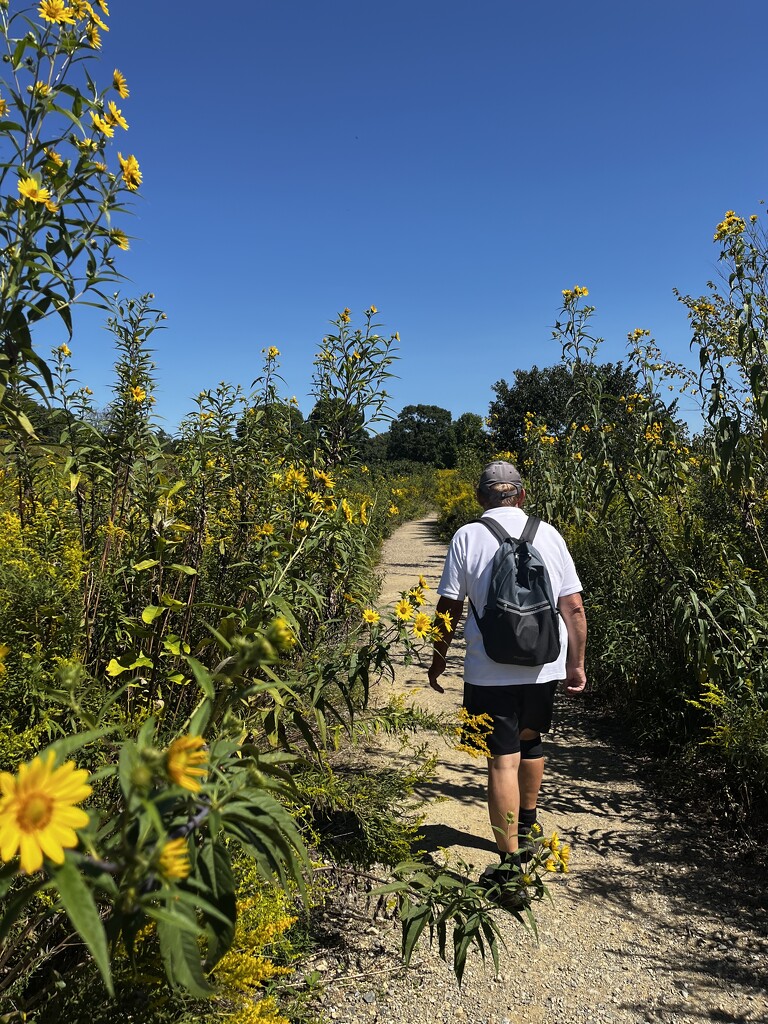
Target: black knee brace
{"x": 530, "y": 750}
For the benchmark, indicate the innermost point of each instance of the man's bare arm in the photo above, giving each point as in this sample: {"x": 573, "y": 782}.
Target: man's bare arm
{"x": 455, "y": 610}
{"x": 571, "y": 607}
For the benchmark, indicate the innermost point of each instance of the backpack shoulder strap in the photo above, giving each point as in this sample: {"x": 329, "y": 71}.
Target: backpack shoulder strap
{"x": 501, "y": 534}
{"x": 496, "y": 529}
{"x": 530, "y": 530}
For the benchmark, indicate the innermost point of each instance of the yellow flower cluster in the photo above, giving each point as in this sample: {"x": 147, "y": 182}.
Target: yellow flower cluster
{"x": 731, "y": 225}
{"x": 472, "y": 732}
{"x": 569, "y": 294}
{"x": 560, "y": 854}
{"x": 653, "y": 434}
{"x": 638, "y": 333}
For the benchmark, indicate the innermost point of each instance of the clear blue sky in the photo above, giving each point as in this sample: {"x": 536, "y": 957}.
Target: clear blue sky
{"x": 455, "y": 164}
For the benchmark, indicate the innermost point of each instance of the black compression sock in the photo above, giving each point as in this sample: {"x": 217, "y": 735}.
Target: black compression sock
{"x": 526, "y": 819}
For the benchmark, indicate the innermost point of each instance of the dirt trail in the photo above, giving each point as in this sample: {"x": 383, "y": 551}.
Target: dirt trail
{"x": 644, "y": 928}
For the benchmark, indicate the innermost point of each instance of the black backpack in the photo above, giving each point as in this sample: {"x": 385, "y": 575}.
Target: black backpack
{"x": 520, "y": 624}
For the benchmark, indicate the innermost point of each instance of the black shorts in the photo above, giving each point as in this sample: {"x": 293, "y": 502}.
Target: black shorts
{"x": 512, "y": 708}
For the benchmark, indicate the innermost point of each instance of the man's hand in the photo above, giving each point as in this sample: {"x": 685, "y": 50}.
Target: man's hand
{"x": 571, "y": 608}
{"x": 451, "y": 612}
{"x": 435, "y": 670}
{"x": 575, "y": 681}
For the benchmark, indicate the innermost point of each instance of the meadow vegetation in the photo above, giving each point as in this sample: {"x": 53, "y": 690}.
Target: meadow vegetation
{"x": 189, "y": 636}
{"x": 666, "y": 523}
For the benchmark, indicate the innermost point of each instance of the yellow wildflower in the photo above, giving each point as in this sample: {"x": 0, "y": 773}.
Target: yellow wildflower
{"x": 56, "y": 12}
{"x": 422, "y": 625}
{"x": 119, "y": 83}
{"x": 120, "y": 238}
{"x": 103, "y": 125}
{"x": 132, "y": 176}
{"x": 115, "y": 116}
{"x": 370, "y": 616}
{"x": 394, "y": 510}
{"x": 403, "y": 609}
{"x": 347, "y": 510}
{"x": 423, "y": 583}
{"x": 732, "y": 224}
{"x": 65, "y": 350}
{"x": 185, "y": 762}
{"x": 30, "y": 189}
{"x": 373, "y": 310}
{"x": 345, "y": 317}
{"x": 38, "y": 815}
{"x": 323, "y": 478}
{"x": 273, "y": 352}
{"x": 447, "y": 620}
{"x": 173, "y": 861}
{"x": 138, "y": 394}
{"x": 3, "y": 107}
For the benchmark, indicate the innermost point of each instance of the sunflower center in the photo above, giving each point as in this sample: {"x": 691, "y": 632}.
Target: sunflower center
{"x": 35, "y": 812}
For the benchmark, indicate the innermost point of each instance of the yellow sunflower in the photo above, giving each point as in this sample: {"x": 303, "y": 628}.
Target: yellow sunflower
{"x": 173, "y": 861}
{"x": 120, "y": 84}
{"x": 29, "y": 189}
{"x": 370, "y": 616}
{"x": 115, "y": 116}
{"x": 56, "y": 12}
{"x": 185, "y": 762}
{"x": 131, "y": 174}
{"x": 422, "y": 625}
{"x": 403, "y": 609}
{"x": 38, "y": 816}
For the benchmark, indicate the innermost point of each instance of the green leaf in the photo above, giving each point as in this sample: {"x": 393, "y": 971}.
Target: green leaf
{"x": 151, "y": 612}
{"x": 83, "y": 913}
{"x": 186, "y": 570}
{"x": 63, "y": 748}
{"x": 181, "y": 955}
{"x": 216, "y": 873}
{"x": 148, "y": 563}
{"x": 202, "y": 677}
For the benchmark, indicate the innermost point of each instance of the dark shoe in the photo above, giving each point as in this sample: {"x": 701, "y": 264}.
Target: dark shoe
{"x": 501, "y": 883}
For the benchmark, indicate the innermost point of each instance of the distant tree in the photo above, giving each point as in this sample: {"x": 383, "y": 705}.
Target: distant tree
{"x": 549, "y": 393}
{"x": 470, "y": 434}
{"x": 423, "y": 433}
{"x": 337, "y": 426}
{"x": 373, "y": 450}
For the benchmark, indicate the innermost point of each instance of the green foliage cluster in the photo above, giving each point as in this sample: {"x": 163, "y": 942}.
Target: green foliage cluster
{"x": 185, "y": 621}
{"x": 667, "y": 532}
{"x": 427, "y": 435}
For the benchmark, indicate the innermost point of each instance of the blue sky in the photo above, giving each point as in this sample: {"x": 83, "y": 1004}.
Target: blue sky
{"x": 455, "y": 164}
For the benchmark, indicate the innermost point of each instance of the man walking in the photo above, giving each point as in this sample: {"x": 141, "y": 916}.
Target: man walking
{"x": 518, "y": 698}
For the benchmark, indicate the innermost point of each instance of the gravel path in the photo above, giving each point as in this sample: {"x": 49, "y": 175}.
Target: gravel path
{"x": 647, "y": 927}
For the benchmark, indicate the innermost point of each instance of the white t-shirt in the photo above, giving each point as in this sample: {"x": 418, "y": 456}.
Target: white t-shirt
{"x": 467, "y": 573}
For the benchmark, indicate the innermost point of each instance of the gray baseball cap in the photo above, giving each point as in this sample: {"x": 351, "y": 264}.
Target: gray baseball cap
{"x": 499, "y": 473}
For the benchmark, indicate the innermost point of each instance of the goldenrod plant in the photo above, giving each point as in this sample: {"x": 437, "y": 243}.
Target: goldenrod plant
{"x": 63, "y": 188}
